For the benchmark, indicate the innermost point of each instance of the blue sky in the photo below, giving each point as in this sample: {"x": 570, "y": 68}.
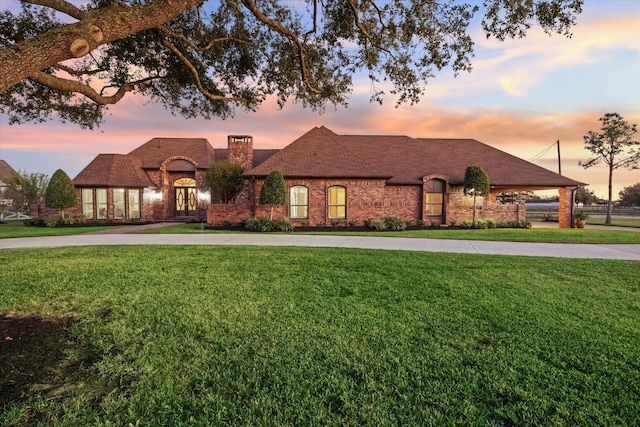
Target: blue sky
{"x": 521, "y": 97}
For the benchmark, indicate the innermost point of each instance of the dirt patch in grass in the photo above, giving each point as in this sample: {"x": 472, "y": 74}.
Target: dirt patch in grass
{"x": 33, "y": 358}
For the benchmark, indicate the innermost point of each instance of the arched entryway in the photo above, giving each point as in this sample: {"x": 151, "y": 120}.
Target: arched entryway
{"x": 186, "y": 196}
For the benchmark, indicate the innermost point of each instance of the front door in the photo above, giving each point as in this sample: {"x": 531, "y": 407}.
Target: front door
{"x": 186, "y": 196}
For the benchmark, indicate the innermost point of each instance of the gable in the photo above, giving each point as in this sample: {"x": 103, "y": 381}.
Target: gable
{"x": 6, "y": 171}
{"x": 153, "y": 153}
{"x": 112, "y": 170}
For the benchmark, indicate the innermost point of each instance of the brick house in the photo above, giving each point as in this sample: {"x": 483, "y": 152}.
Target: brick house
{"x": 331, "y": 180}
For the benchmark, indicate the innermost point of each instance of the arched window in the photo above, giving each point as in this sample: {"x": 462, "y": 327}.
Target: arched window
{"x": 299, "y": 202}
{"x": 434, "y": 197}
{"x": 337, "y": 202}
{"x": 184, "y": 182}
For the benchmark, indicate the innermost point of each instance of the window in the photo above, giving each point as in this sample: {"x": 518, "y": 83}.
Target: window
{"x": 337, "y": 202}
{"x": 434, "y": 197}
{"x": 87, "y": 202}
{"x": 134, "y": 203}
{"x": 118, "y": 203}
{"x": 299, "y": 202}
{"x": 101, "y": 203}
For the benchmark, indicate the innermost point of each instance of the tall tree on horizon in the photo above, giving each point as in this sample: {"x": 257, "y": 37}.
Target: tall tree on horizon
{"x": 204, "y": 58}
{"x": 615, "y": 147}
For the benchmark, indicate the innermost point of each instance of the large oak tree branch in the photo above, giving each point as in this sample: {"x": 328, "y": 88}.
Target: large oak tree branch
{"x": 66, "y": 85}
{"x": 61, "y": 6}
{"x": 27, "y": 58}
{"x": 293, "y": 37}
{"x": 196, "y": 76}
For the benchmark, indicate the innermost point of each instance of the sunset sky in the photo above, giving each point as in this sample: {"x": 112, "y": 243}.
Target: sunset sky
{"x": 521, "y": 97}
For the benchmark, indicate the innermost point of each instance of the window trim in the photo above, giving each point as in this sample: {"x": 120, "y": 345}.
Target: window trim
{"x": 88, "y": 206}
{"x": 428, "y": 205}
{"x": 120, "y": 206}
{"x": 102, "y": 206}
{"x": 336, "y": 205}
{"x": 293, "y": 207}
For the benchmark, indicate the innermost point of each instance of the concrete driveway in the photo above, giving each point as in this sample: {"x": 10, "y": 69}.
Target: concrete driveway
{"x": 623, "y": 252}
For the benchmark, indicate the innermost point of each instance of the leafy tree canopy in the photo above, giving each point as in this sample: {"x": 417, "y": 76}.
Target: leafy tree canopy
{"x": 224, "y": 180}
{"x": 26, "y": 189}
{"x": 60, "y": 193}
{"x": 476, "y": 181}
{"x": 207, "y": 57}
{"x": 630, "y": 196}
{"x": 274, "y": 190}
{"x": 586, "y": 197}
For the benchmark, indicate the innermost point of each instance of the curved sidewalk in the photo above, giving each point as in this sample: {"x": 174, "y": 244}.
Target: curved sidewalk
{"x": 562, "y": 250}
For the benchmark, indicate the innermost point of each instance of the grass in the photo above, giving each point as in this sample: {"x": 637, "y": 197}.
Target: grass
{"x": 618, "y": 222}
{"x": 547, "y": 235}
{"x": 11, "y": 229}
{"x": 311, "y": 336}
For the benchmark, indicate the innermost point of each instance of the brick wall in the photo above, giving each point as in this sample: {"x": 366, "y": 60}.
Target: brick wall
{"x": 461, "y": 208}
{"x": 366, "y": 199}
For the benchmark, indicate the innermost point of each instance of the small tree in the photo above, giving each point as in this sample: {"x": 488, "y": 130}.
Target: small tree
{"x": 630, "y": 196}
{"x": 274, "y": 190}
{"x": 615, "y": 147}
{"x": 476, "y": 183}
{"x": 224, "y": 180}
{"x": 61, "y": 193}
{"x": 26, "y": 189}
{"x": 586, "y": 197}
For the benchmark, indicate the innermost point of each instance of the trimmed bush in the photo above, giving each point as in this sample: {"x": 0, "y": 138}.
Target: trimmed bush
{"x": 284, "y": 224}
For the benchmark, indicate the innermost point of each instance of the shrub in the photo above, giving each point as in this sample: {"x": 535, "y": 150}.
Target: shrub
{"x": 353, "y": 223}
{"x": 226, "y": 224}
{"x": 435, "y": 223}
{"x": 395, "y": 223}
{"x": 55, "y": 221}
{"x": 267, "y": 224}
{"x": 284, "y": 224}
{"x": 252, "y": 224}
{"x": 452, "y": 223}
{"x": 60, "y": 193}
{"x": 335, "y": 223}
{"x": 320, "y": 224}
{"x": 378, "y": 224}
{"x": 420, "y": 223}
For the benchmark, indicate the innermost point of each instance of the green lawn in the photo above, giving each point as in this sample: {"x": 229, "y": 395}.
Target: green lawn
{"x": 18, "y": 229}
{"x": 618, "y": 222}
{"x": 549, "y": 235}
{"x": 251, "y": 336}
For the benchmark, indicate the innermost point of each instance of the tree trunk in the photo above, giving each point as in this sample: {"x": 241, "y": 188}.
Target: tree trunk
{"x": 609, "y": 203}
{"x": 474, "y": 209}
{"x": 96, "y": 28}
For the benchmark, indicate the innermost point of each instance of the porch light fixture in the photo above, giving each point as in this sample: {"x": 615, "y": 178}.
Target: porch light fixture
{"x": 204, "y": 196}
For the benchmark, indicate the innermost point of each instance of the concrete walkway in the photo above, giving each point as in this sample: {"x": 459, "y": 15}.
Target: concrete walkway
{"x": 623, "y": 252}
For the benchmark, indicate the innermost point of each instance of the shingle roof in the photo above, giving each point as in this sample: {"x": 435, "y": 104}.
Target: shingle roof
{"x": 113, "y": 170}
{"x": 154, "y": 152}
{"x": 6, "y": 171}
{"x": 259, "y": 154}
{"x": 402, "y": 160}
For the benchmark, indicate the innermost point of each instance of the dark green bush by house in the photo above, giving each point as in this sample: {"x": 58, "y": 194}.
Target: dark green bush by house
{"x": 60, "y": 193}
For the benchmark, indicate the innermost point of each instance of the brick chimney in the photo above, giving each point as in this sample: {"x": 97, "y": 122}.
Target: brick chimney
{"x": 241, "y": 150}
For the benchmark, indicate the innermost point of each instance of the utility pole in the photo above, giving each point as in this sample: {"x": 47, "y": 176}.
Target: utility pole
{"x": 559, "y": 165}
